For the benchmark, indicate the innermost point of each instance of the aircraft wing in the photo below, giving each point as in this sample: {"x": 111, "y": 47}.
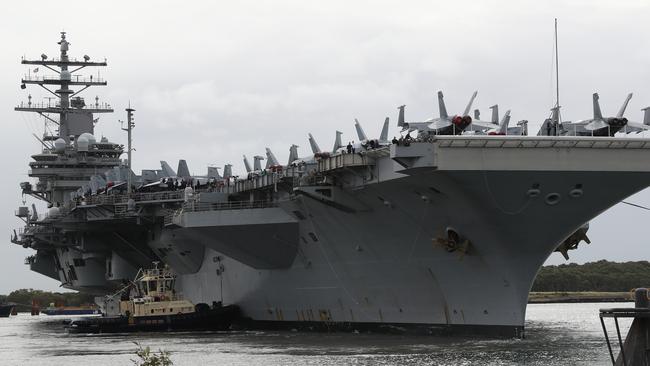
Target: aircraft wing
{"x": 438, "y": 124}
{"x": 635, "y": 127}
{"x": 480, "y": 126}
{"x": 153, "y": 184}
{"x": 417, "y": 126}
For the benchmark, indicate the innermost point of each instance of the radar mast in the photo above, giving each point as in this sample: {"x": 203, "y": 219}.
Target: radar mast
{"x": 75, "y": 117}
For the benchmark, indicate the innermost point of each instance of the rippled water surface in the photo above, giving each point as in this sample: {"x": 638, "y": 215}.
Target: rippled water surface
{"x": 556, "y": 334}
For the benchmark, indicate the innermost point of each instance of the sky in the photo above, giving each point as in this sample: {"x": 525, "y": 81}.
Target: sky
{"x": 211, "y": 81}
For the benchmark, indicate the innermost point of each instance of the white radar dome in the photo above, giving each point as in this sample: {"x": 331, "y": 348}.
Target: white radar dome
{"x": 84, "y": 141}
{"x": 59, "y": 145}
{"x": 89, "y": 136}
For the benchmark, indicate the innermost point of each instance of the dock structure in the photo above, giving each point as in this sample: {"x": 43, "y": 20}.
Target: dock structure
{"x": 635, "y": 349}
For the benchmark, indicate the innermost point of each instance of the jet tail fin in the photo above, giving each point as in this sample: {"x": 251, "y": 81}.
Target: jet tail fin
{"x": 167, "y": 170}
{"x": 503, "y": 126}
{"x": 293, "y": 154}
{"x": 247, "y": 165}
{"x": 337, "y": 141}
{"x": 227, "y": 171}
{"x": 400, "y": 118}
{"x": 270, "y": 158}
{"x": 183, "y": 170}
{"x": 257, "y": 162}
{"x": 495, "y": 114}
{"x": 646, "y": 116}
{"x": 314, "y": 146}
{"x": 360, "y": 132}
{"x": 597, "y": 113}
{"x": 213, "y": 172}
{"x": 441, "y": 106}
{"x": 469, "y": 105}
{"x": 624, "y": 106}
{"x": 383, "y": 137}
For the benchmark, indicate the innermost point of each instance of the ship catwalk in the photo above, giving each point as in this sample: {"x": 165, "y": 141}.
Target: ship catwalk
{"x": 440, "y": 231}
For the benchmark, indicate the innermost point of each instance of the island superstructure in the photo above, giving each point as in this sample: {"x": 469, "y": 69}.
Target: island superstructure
{"x": 442, "y": 232}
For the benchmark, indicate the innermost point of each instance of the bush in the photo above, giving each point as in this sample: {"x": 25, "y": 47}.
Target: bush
{"x": 146, "y": 358}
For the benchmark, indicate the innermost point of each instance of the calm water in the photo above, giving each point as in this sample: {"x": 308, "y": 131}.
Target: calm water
{"x": 556, "y": 334}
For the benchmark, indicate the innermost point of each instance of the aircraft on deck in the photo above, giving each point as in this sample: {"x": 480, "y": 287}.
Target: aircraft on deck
{"x": 597, "y": 125}
{"x": 501, "y": 128}
{"x": 445, "y": 124}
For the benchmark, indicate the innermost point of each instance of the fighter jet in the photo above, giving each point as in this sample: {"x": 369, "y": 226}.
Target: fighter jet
{"x": 500, "y": 129}
{"x": 167, "y": 177}
{"x": 444, "y": 124}
{"x": 604, "y": 126}
{"x": 596, "y": 126}
{"x": 295, "y": 160}
{"x": 639, "y": 127}
{"x": 520, "y": 130}
{"x": 365, "y": 143}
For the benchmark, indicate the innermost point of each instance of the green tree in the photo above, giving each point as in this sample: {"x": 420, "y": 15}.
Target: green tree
{"x": 602, "y": 276}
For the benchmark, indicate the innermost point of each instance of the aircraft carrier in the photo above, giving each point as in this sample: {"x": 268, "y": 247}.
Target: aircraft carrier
{"x": 440, "y": 231}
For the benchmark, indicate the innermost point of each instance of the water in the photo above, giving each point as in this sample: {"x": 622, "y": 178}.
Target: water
{"x": 556, "y": 334}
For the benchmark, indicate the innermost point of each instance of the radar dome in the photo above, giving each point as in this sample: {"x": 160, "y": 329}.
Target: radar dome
{"x": 53, "y": 211}
{"x": 89, "y": 136}
{"x": 59, "y": 145}
{"x": 84, "y": 141}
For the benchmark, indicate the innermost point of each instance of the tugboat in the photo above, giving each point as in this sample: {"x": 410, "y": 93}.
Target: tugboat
{"x": 150, "y": 303}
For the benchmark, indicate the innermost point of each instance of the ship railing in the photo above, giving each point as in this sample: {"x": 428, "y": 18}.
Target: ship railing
{"x": 119, "y": 210}
{"x": 311, "y": 180}
{"x": 41, "y": 105}
{"x": 219, "y": 206}
{"x": 168, "y": 217}
{"x": 122, "y": 199}
{"x": 57, "y": 77}
{"x": 52, "y": 104}
{"x": 339, "y": 161}
{"x": 481, "y": 141}
{"x": 254, "y": 181}
{"x": 264, "y": 179}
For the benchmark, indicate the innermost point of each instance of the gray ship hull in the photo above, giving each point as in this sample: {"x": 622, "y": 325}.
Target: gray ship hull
{"x": 382, "y": 266}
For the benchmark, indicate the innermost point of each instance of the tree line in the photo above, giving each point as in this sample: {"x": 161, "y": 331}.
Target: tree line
{"x": 24, "y": 298}
{"x": 600, "y": 276}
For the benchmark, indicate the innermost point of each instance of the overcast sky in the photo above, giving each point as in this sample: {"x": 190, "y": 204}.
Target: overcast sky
{"x": 211, "y": 81}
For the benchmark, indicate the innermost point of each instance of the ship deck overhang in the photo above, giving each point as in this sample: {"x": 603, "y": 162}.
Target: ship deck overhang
{"x": 524, "y": 153}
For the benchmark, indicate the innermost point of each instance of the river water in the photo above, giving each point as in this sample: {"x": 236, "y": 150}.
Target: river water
{"x": 556, "y": 334}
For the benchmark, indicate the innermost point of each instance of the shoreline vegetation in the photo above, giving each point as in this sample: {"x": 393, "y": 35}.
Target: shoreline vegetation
{"x": 578, "y": 296}
{"x": 25, "y": 298}
{"x": 600, "y": 281}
